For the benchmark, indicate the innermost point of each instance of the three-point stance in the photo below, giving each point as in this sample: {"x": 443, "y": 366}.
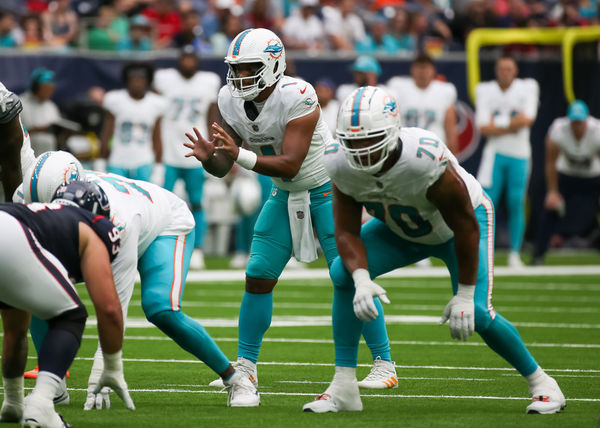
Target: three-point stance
{"x": 425, "y": 204}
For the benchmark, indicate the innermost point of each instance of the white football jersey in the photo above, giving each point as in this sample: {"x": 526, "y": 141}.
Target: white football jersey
{"x": 291, "y": 99}
{"x": 189, "y": 101}
{"x": 329, "y": 115}
{"x": 493, "y": 104}
{"x": 577, "y": 158}
{"x": 134, "y": 123}
{"x": 398, "y": 197}
{"x": 423, "y": 108}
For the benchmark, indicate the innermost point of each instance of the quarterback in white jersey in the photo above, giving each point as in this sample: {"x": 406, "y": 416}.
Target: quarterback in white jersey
{"x": 572, "y": 178}
{"x": 157, "y": 235}
{"x": 192, "y": 95}
{"x": 425, "y": 204}
{"x": 425, "y": 102}
{"x": 278, "y": 120}
{"x": 505, "y": 110}
{"x": 133, "y": 122}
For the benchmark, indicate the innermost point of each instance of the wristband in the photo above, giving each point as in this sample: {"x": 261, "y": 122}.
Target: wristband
{"x": 246, "y": 158}
{"x": 360, "y": 276}
{"x": 466, "y": 291}
{"x": 113, "y": 362}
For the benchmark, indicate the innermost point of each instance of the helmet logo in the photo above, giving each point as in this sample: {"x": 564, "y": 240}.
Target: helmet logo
{"x": 274, "y": 48}
{"x": 390, "y": 108}
{"x": 309, "y": 102}
{"x": 71, "y": 173}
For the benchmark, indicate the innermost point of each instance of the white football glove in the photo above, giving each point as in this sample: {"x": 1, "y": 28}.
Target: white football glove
{"x": 112, "y": 377}
{"x": 461, "y": 313}
{"x": 364, "y": 307}
{"x": 96, "y": 401}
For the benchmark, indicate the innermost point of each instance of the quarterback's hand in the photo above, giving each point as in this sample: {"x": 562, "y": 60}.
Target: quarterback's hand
{"x": 227, "y": 144}
{"x": 461, "y": 313}
{"x": 97, "y": 400}
{"x": 365, "y": 290}
{"x": 200, "y": 147}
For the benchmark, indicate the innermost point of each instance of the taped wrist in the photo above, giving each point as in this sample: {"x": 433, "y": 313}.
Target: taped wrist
{"x": 360, "y": 276}
{"x": 466, "y": 291}
{"x": 113, "y": 362}
{"x": 246, "y": 158}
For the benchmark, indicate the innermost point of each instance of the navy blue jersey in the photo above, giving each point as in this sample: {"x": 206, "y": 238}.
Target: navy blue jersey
{"x": 56, "y": 228}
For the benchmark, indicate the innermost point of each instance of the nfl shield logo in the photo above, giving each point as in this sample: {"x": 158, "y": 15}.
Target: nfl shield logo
{"x": 300, "y": 215}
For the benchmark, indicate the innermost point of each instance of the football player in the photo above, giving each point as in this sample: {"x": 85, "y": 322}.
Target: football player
{"x": 57, "y": 242}
{"x": 192, "y": 95}
{"x": 132, "y": 120}
{"x": 279, "y": 121}
{"x": 16, "y": 156}
{"x": 505, "y": 111}
{"x": 425, "y": 205}
{"x": 157, "y": 233}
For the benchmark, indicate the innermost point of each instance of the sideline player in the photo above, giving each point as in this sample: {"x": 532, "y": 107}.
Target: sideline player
{"x": 132, "y": 120}
{"x": 278, "y": 118}
{"x": 157, "y": 235}
{"x": 425, "y": 204}
{"x": 425, "y": 102}
{"x": 56, "y": 242}
{"x": 193, "y": 102}
{"x": 505, "y": 110}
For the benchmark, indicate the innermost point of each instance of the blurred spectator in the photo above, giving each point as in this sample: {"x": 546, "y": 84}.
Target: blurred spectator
{"x": 325, "y": 89}
{"x": 430, "y": 25}
{"x": 140, "y": 35}
{"x": 109, "y": 30}
{"x": 478, "y": 13}
{"x": 32, "y": 31}
{"x": 400, "y": 29}
{"x": 220, "y": 41}
{"x": 379, "y": 40}
{"x": 264, "y": 13}
{"x": 10, "y": 35}
{"x": 191, "y": 33}
{"x": 166, "y": 21}
{"x": 215, "y": 15}
{"x": 60, "y": 24}
{"x": 343, "y": 26}
{"x": 39, "y": 111}
{"x": 365, "y": 71}
{"x": 37, "y": 6}
{"x": 304, "y": 30}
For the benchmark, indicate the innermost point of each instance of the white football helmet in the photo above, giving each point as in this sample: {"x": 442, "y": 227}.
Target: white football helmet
{"x": 256, "y": 45}
{"x": 50, "y": 171}
{"x": 367, "y": 113}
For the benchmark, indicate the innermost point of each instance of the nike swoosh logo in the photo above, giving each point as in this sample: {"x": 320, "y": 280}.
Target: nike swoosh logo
{"x": 303, "y": 90}
{"x": 327, "y": 193}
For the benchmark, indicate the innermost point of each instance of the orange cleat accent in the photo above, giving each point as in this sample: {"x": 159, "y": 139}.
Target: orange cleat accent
{"x": 33, "y": 374}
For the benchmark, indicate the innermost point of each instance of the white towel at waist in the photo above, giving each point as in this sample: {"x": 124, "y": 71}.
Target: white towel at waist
{"x": 303, "y": 239}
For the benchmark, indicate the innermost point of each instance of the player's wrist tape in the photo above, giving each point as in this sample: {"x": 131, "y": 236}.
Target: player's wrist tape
{"x": 246, "y": 158}
{"x": 360, "y": 276}
{"x": 113, "y": 362}
{"x": 466, "y": 291}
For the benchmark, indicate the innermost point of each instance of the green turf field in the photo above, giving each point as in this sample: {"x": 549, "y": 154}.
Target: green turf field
{"x": 442, "y": 383}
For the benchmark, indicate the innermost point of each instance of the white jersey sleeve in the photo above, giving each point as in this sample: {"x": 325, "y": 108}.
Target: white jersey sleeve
{"x": 483, "y": 113}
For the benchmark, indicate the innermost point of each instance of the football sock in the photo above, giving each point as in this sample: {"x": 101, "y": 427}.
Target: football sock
{"x": 200, "y": 228}
{"x": 537, "y": 377}
{"x": 505, "y": 340}
{"x": 46, "y": 385}
{"x": 192, "y": 337}
{"x": 38, "y": 329}
{"x": 346, "y": 328}
{"x": 57, "y": 352}
{"x": 376, "y": 336}
{"x": 255, "y": 318}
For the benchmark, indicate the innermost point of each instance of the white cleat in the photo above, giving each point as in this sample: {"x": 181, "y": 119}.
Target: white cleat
{"x": 547, "y": 398}
{"x": 11, "y": 412}
{"x": 382, "y": 376}
{"x": 62, "y": 397}
{"x": 295, "y": 264}
{"x": 40, "y": 413}
{"x": 246, "y": 367}
{"x": 342, "y": 395}
{"x": 241, "y": 392}
{"x": 197, "y": 260}
{"x": 239, "y": 260}
{"x": 514, "y": 260}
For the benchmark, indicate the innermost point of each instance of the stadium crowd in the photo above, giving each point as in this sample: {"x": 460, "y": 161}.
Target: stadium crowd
{"x": 382, "y": 27}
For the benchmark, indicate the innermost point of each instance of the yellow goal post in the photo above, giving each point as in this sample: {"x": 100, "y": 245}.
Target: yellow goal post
{"x": 567, "y": 37}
